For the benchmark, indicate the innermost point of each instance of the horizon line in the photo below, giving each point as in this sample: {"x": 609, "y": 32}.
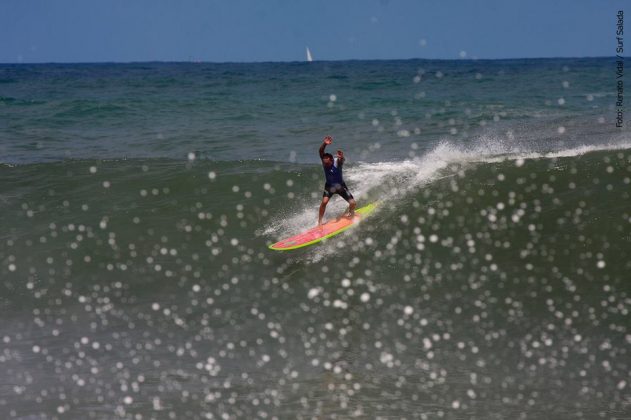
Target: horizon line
{"x": 304, "y": 61}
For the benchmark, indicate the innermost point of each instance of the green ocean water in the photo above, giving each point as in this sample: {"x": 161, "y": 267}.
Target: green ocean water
{"x": 137, "y": 203}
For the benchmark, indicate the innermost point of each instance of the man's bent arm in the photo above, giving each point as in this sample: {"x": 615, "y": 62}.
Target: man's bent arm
{"x": 340, "y": 158}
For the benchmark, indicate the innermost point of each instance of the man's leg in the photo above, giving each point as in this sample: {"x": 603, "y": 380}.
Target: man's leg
{"x": 346, "y": 195}
{"x": 350, "y": 211}
{"x": 351, "y": 207}
{"x": 325, "y": 201}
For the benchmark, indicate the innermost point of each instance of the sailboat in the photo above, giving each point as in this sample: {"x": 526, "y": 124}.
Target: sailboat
{"x": 309, "y": 56}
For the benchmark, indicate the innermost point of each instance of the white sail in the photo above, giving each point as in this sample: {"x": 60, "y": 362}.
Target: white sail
{"x": 309, "y": 57}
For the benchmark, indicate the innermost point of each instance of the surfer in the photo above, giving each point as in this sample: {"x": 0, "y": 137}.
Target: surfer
{"x": 334, "y": 182}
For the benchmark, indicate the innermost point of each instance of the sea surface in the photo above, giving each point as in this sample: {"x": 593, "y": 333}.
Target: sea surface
{"x": 138, "y": 201}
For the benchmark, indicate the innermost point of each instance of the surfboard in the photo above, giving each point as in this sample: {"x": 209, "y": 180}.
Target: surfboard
{"x": 326, "y": 230}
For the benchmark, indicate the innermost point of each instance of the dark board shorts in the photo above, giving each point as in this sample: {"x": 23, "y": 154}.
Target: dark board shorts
{"x": 341, "y": 189}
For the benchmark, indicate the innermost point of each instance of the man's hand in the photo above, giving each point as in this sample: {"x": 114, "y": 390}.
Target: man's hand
{"x": 328, "y": 140}
{"x": 340, "y": 154}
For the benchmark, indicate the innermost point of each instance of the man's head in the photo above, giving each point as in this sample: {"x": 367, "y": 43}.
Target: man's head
{"x": 327, "y": 159}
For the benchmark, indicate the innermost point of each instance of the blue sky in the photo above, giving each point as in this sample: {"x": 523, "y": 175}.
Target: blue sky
{"x": 279, "y": 30}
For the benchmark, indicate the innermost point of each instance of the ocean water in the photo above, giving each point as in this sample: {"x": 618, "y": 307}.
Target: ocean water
{"x": 137, "y": 202}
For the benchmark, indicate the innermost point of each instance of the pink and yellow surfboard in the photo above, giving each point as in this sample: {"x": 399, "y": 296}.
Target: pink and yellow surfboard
{"x": 319, "y": 233}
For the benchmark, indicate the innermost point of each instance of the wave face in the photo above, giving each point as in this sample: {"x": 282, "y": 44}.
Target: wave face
{"x": 491, "y": 282}
{"x": 481, "y": 278}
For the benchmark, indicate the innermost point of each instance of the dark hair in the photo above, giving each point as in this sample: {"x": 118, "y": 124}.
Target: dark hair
{"x": 327, "y": 155}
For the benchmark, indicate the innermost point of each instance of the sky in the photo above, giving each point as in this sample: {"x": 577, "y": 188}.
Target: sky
{"x": 280, "y": 30}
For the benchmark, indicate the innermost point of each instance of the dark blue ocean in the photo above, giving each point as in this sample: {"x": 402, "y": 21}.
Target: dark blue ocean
{"x": 138, "y": 201}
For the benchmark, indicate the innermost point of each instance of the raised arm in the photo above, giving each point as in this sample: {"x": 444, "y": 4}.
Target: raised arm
{"x": 327, "y": 140}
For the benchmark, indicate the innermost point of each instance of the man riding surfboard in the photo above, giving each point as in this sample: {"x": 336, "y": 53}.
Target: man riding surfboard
{"x": 334, "y": 182}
